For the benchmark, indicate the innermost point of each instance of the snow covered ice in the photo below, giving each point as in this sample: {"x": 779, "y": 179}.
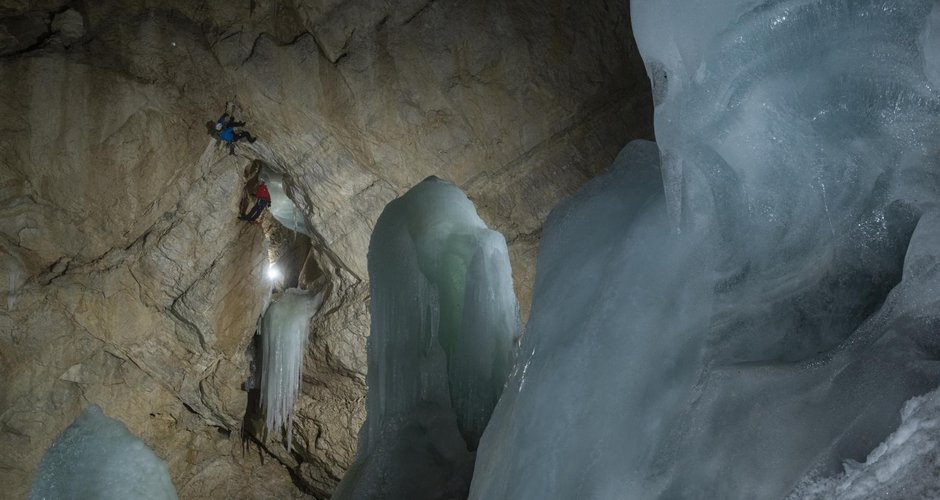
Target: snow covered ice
{"x": 742, "y": 307}
{"x": 284, "y": 333}
{"x": 444, "y": 318}
{"x": 97, "y": 458}
{"x": 904, "y": 466}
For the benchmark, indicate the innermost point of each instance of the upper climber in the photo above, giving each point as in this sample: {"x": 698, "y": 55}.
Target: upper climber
{"x": 225, "y": 130}
{"x": 263, "y": 200}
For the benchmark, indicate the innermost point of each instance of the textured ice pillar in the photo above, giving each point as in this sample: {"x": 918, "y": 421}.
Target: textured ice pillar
{"x": 97, "y": 458}
{"x": 444, "y": 317}
{"x": 612, "y": 345}
{"x": 777, "y": 334}
{"x": 284, "y": 331}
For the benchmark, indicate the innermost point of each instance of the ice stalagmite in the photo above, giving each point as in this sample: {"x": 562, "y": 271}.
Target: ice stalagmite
{"x": 97, "y": 458}
{"x": 284, "y": 331}
{"x": 746, "y": 305}
{"x": 444, "y": 317}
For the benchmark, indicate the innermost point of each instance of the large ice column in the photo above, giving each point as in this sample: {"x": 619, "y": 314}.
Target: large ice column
{"x": 612, "y": 345}
{"x": 97, "y": 458}
{"x": 780, "y": 330}
{"x": 284, "y": 332}
{"x": 444, "y": 317}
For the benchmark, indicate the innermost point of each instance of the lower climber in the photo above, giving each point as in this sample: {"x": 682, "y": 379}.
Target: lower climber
{"x": 263, "y": 200}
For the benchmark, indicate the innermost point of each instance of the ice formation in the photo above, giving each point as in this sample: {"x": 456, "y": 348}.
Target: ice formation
{"x": 282, "y": 207}
{"x": 14, "y": 275}
{"x": 444, "y": 318}
{"x": 97, "y": 458}
{"x": 742, "y": 307}
{"x": 903, "y": 467}
{"x": 284, "y": 332}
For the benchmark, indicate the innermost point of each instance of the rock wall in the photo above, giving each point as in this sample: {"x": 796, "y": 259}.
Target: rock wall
{"x": 129, "y": 283}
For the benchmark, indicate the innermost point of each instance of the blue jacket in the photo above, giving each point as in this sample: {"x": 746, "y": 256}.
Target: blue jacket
{"x": 227, "y": 134}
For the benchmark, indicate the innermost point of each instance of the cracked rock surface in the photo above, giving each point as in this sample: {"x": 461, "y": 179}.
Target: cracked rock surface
{"x": 128, "y": 281}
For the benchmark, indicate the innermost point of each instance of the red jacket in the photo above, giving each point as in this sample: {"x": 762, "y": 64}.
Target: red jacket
{"x": 262, "y": 193}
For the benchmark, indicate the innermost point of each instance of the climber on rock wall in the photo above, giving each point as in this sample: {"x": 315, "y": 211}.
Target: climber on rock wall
{"x": 225, "y": 130}
{"x": 263, "y": 200}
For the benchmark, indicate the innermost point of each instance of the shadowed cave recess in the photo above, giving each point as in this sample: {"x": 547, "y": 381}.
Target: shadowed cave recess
{"x": 478, "y": 276}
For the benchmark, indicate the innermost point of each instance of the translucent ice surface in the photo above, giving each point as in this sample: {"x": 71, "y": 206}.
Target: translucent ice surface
{"x": 746, "y": 305}
{"x": 444, "y": 317}
{"x": 97, "y": 458}
{"x": 282, "y": 207}
{"x": 284, "y": 332}
{"x": 611, "y": 349}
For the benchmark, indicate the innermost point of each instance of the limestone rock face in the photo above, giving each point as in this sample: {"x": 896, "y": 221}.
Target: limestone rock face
{"x": 130, "y": 284}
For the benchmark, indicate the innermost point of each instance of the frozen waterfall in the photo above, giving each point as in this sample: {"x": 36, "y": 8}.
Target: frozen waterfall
{"x": 284, "y": 331}
{"x": 444, "y": 317}
{"x": 97, "y": 458}
{"x": 744, "y": 307}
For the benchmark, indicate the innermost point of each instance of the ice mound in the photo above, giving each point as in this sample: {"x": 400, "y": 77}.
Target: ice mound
{"x": 749, "y": 306}
{"x": 284, "y": 332}
{"x": 97, "y": 458}
{"x": 904, "y": 467}
{"x": 444, "y": 318}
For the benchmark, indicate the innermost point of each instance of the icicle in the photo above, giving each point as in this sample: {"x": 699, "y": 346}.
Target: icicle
{"x": 14, "y": 282}
{"x": 284, "y": 332}
{"x": 672, "y": 184}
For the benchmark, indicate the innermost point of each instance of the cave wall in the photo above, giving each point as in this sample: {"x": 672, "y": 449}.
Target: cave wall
{"x": 130, "y": 284}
